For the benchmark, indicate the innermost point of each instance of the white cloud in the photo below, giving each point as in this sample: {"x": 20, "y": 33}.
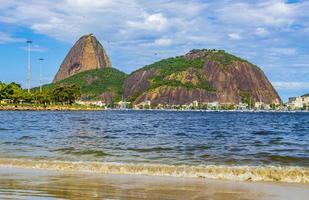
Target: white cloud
{"x": 163, "y": 42}
{"x": 261, "y": 31}
{"x": 234, "y": 36}
{"x": 34, "y": 48}
{"x": 7, "y": 38}
{"x": 154, "y": 22}
{"x": 137, "y": 32}
{"x": 273, "y": 12}
{"x": 283, "y": 51}
{"x": 291, "y": 85}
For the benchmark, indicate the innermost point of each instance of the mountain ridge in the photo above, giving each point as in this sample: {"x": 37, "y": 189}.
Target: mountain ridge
{"x": 203, "y": 75}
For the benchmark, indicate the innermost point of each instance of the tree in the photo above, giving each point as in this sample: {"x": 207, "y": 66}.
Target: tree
{"x": 10, "y": 91}
{"x": 66, "y": 94}
{"x": 2, "y": 86}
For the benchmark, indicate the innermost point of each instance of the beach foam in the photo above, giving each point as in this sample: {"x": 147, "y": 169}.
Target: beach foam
{"x": 239, "y": 173}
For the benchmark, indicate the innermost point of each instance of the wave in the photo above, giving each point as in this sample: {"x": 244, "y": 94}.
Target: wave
{"x": 238, "y": 173}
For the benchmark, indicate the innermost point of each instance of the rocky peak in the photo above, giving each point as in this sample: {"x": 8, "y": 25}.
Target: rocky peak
{"x": 86, "y": 54}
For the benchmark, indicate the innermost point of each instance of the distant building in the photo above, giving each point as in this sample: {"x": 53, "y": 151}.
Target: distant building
{"x": 143, "y": 105}
{"x": 91, "y": 103}
{"x": 299, "y": 102}
{"x": 243, "y": 106}
{"x": 261, "y": 106}
{"x": 6, "y": 101}
{"x": 213, "y": 105}
{"x": 195, "y": 104}
{"x": 123, "y": 104}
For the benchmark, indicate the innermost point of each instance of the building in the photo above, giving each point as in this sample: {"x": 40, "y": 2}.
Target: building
{"x": 6, "y": 101}
{"x": 261, "y": 106}
{"x": 91, "y": 103}
{"x": 195, "y": 104}
{"x": 243, "y": 106}
{"x": 213, "y": 105}
{"x": 143, "y": 105}
{"x": 299, "y": 102}
{"x": 123, "y": 104}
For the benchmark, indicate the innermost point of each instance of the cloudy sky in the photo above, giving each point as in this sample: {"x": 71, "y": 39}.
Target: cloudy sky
{"x": 273, "y": 34}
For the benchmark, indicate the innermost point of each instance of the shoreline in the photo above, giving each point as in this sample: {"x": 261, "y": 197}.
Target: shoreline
{"x": 47, "y": 108}
{"x": 284, "y": 174}
{"x": 34, "y": 183}
{"x": 85, "y": 108}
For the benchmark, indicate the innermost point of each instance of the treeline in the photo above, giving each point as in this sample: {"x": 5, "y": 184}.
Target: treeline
{"x": 60, "y": 94}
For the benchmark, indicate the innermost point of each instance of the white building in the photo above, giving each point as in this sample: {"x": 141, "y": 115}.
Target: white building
{"x": 123, "y": 104}
{"x": 243, "y": 106}
{"x": 261, "y": 106}
{"x": 299, "y": 102}
{"x": 195, "y": 104}
{"x": 213, "y": 105}
{"x": 91, "y": 103}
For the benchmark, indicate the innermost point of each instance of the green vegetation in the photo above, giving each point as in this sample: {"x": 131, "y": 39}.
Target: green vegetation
{"x": 95, "y": 82}
{"x": 66, "y": 94}
{"x": 221, "y": 56}
{"x": 306, "y": 95}
{"x": 175, "y": 64}
{"x": 246, "y": 97}
{"x": 192, "y": 62}
{"x": 13, "y": 92}
{"x": 62, "y": 94}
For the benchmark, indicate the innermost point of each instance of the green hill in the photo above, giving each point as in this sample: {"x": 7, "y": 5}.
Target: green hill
{"x": 306, "y": 95}
{"x": 104, "y": 83}
{"x": 205, "y": 75}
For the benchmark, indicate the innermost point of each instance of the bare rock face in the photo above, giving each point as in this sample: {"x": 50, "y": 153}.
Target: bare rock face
{"x": 86, "y": 54}
{"x": 200, "y": 75}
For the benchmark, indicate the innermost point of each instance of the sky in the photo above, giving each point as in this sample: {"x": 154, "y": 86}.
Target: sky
{"x": 273, "y": 34}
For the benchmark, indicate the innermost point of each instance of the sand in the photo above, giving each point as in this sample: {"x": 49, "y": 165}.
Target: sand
{"x": 17, "y": 183}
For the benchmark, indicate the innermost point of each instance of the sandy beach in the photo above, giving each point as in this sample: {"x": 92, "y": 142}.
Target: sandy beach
{"x": 17, "y": 183}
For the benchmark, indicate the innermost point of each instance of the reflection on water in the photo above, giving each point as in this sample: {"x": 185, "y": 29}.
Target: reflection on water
{"x": 31, "y": 184}
{"x": 190, "y": 138}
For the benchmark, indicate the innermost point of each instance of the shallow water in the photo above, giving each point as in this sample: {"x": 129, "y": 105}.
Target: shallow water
{"x": 40, "y": 184}
{"x": 191, "y": 138}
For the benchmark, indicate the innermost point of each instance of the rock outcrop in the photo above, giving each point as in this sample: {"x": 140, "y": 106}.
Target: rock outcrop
{"x": 200, "y": 75}
{"x": 86, "y": 54}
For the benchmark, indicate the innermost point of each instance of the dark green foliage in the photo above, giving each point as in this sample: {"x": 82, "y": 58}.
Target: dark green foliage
{"x": 246, "y": 97}
{"x": 306, "y": 95}
{"x": 12, "y": 92}
{"x": 169, "y": 66}
{"x": 95, "y": 82}
{"x": 176, "y": 64}
{"x": 66, "y": 94}
{"x": 134, "y": 96}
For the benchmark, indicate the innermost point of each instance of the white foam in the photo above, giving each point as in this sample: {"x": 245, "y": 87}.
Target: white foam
{"x": 239, "y": 173}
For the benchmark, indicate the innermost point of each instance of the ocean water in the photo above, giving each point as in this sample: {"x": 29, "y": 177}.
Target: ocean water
{"x": 232, "y": 145}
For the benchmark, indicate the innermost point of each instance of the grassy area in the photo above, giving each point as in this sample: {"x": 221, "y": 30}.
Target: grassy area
{"x": 95, "y": 82}
{"x": 170, "y": 66}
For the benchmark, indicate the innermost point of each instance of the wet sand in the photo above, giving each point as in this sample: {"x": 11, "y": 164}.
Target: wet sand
{"x": 16, "y": 183}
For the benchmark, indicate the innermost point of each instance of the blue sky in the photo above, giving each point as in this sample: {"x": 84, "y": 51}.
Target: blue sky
{"x": 274, "y": 34}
